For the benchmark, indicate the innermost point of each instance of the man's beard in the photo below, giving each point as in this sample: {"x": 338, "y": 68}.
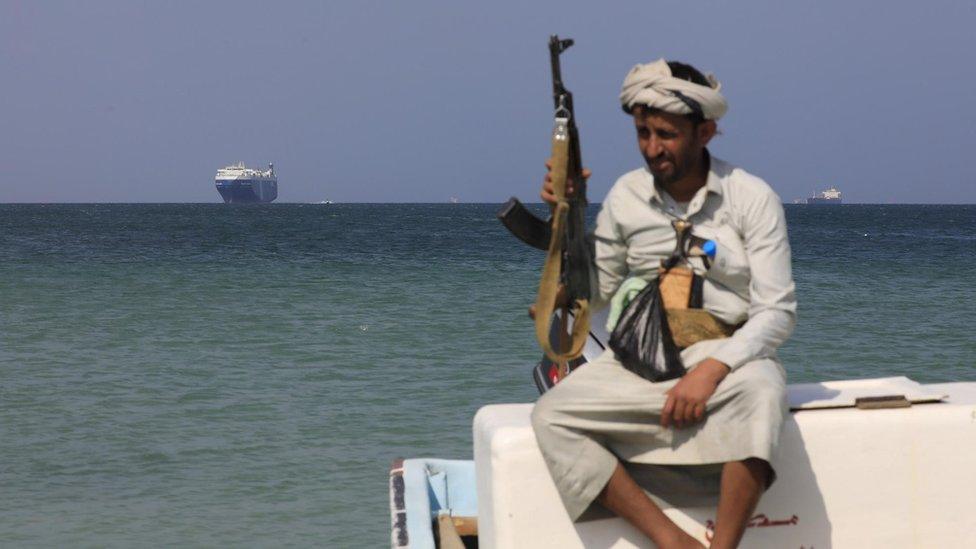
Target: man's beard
{"x": 676, "y": 173}
{"x": 679, "y": 169}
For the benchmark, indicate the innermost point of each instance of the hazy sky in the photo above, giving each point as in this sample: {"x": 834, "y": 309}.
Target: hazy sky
{"x": 418, "y": 101}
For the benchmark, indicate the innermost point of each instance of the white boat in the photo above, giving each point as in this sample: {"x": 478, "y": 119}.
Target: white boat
{"x": 829, "y": 196}
{"x": 239, "y": 184}
{"x": 862, "y": 463}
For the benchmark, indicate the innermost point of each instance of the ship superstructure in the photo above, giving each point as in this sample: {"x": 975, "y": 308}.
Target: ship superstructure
{"x": 239, "y": 184}
{"x": 830, "y": 196}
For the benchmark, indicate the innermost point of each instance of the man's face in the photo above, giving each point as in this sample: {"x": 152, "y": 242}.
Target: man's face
{"x": 671, "y": 144}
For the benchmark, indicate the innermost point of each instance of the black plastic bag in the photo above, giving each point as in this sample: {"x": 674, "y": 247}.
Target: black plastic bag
{"x": 642, "y": 339}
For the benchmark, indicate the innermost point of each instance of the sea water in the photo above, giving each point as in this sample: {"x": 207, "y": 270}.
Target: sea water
{"x": 222, "y": 375}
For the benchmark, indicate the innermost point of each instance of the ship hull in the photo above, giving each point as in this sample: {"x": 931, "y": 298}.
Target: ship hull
{"x": 814, "y": 200}
{"x": 247, "y": 191}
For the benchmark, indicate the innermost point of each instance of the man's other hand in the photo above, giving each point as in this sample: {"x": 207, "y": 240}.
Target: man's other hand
{"x": 548, "y": 195}
{"x": 686, "y": 400}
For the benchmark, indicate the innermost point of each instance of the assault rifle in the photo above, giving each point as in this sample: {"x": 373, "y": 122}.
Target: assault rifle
{"x": 564, "y": 236}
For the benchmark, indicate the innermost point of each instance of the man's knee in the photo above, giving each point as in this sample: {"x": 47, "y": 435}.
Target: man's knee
{"x": 767, "y": 391}
{"x": 761, "y": 384}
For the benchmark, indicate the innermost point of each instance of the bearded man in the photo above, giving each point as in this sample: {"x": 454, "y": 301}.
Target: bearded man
{"x": 714, "y": 430}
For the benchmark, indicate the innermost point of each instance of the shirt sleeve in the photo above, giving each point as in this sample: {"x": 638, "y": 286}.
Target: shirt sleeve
{"x": 772, "y": 293}
{"x": 609, "y": 257}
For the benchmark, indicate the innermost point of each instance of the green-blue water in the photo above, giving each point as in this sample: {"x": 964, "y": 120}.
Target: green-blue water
{"x": 218, "y": 376}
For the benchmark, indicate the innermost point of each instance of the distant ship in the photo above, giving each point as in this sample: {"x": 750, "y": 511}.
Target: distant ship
{"x": 830, "y": 196}
{"x": 238, "y": 184}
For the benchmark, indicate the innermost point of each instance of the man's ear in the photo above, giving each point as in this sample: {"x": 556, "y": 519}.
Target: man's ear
{"x": 706, "y": 131}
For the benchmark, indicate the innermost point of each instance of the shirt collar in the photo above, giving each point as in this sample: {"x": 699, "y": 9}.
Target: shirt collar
{"x": 714, "y": 181}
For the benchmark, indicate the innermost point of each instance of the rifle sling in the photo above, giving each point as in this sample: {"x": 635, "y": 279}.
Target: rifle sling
{"x": 545, "y": 303}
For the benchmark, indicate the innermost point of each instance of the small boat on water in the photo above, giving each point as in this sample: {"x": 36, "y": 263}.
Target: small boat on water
{"x": 829, "y": 196}
{"x": 862, "y": 463}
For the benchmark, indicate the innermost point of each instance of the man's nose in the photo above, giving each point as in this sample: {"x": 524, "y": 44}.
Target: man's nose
{"x": 653, "y": 147}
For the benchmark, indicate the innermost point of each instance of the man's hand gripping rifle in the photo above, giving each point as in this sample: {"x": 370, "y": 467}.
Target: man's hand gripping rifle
{"x": 568, "y": 259}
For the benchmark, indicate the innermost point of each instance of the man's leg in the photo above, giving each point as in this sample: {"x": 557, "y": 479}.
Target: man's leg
{"x": 625, "y": 498}
{"x": 743, "y": 482}
{"x": 602, "y": 403}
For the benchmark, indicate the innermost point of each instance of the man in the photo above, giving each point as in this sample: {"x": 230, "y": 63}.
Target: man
{"x": 718, "y": 424}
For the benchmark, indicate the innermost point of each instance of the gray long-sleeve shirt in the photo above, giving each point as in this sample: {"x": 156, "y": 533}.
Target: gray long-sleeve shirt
{"x": 750, "y": 279}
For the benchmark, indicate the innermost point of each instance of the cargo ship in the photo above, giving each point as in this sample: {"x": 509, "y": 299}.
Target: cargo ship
{"x": 830, "y": 196}
{"x": 238, "y": 184}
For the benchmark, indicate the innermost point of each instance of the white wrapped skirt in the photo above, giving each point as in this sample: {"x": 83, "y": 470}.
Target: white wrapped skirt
{"x": 603, "y": 414}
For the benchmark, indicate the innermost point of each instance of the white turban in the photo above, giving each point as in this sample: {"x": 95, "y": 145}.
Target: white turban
{"x": 654, "y": 86}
